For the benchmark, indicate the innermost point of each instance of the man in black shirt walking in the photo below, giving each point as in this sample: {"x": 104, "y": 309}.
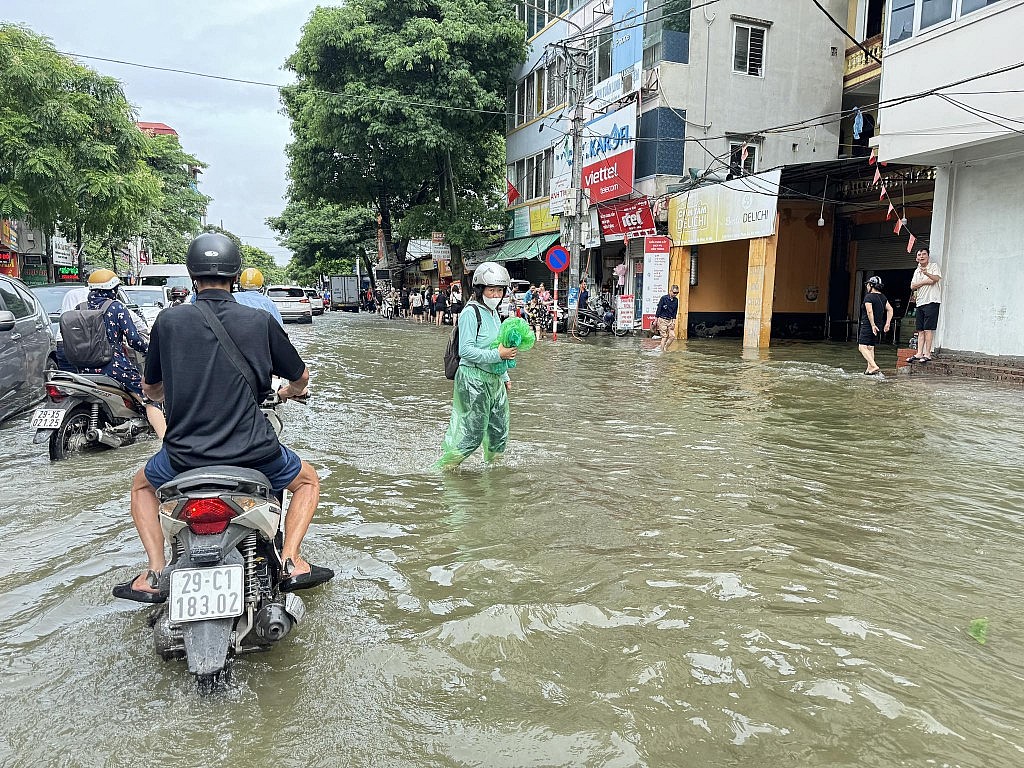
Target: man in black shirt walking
{"x": 213, "y": 416}
{"x": 665, "y": 317}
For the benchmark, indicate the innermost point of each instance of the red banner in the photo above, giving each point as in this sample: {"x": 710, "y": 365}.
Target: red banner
{"x": 609, "y": 178}
{"x": 630, "y": 217}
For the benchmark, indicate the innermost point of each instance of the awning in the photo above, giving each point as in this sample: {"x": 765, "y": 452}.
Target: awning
{"x": 526, "y": 248}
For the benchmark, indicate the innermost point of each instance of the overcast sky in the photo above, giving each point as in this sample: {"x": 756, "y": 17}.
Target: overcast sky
{"x": 236, "y": 129}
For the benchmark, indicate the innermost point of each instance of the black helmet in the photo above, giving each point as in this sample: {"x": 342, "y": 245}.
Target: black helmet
{"x": 213, "y": 255}
{"x": 179, "y": 292}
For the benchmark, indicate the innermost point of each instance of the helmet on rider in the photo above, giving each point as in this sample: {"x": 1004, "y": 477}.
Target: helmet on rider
{"x": 103, "y": 279}
{"x": 179, "y": 293}
{"x": 251, "y": 279}
{"x": 490, "y": 274}
{"x": 213, "y": 255}
{"x": 875, "y": 282}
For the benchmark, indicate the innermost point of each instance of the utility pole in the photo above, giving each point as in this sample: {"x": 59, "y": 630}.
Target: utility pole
{"x": 577, "y": 208}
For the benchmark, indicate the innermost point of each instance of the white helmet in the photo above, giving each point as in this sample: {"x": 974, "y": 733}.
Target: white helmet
{"x": 491, "y": 273}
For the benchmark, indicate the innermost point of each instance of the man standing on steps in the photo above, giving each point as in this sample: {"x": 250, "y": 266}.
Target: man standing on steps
{"x": 929, "y": 295}
{"x": 665, "y": 317}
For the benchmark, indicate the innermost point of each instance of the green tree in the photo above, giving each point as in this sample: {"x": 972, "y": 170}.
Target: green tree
{"x": 70, "y": 152}
{"x": 419, "y": 115}
{"x": 325, "y": 239}
{"x": 264, "y": 262}
{"x": 173, "y": 223}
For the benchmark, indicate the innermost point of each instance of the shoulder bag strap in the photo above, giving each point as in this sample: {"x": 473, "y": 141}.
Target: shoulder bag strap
{"x": 229, "y": 347}
{"x": 477, "y": 310}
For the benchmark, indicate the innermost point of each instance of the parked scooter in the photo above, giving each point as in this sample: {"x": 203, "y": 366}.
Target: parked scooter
{"x": 223, "y": 583}
{"x": 87, "y": 410}
{"x": 597, "y": 316}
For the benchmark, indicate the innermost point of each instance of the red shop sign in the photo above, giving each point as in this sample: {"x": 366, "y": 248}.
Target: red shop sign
{"x": 630, "y": 217}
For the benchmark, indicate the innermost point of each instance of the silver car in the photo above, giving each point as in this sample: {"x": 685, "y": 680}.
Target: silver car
{"x": 27, "y": 347}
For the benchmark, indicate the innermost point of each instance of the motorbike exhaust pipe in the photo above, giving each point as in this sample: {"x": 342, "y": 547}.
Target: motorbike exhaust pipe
{"x": 99, "y": 436}
{"x": 272, "y": 622}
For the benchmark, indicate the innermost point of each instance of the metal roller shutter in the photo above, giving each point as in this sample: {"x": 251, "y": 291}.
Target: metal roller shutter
{"x": 882, "y": 254}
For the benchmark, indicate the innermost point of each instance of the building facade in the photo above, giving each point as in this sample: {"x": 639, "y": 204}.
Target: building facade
{"x": 952, "y": 94}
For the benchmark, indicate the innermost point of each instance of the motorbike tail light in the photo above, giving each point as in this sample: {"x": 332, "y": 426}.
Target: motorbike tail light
{"x": 53, "y": 393}
{"x": 207, "y": 516}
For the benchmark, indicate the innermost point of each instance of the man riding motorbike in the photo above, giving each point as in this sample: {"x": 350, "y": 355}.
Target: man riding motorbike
{"x": 214, "y": 416}
{"x": 120, "y": 329}
{"x": 179, "y": 295}
{"x": 251, "y": 282}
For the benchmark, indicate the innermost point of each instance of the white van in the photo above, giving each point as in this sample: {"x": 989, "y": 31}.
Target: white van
{"x": 170, "y": 275}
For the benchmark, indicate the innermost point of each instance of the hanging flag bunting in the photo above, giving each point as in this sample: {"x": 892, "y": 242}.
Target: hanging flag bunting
{"x": 910, "y": 245}
{"x": 883, "y": 193}
{"x": 898, "y": 227}
{"x": 873, "y": 157}
{"x": 743, "y": 156}
{"x": 890, "y": 212}
{"x": 511, "y": 192}
{"x": 878, "y": 176}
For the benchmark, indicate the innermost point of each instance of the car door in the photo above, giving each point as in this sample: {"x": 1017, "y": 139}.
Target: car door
{"x": 13, "y": 376}
{"x": 36, "y": 341}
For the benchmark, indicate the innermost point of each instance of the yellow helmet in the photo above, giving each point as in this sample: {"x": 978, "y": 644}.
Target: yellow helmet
{"x": 103, "y": 278}
{"x": 251, "y": 279}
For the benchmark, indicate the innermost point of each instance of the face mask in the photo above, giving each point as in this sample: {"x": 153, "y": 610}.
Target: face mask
{"x": 492, "y": 302}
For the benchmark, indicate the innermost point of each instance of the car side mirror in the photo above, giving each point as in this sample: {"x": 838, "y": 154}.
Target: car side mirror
{"x": 7, "y": 321}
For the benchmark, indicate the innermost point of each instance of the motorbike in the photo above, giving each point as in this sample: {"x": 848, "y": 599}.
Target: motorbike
{"x": 223, "y": 582}
{"x": 597, "y": 317}
{"x": 87, "y": 410}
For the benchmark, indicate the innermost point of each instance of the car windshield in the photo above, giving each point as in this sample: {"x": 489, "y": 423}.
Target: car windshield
{"x": 51, "y": 296}
{"x": 285, "y": 293}
{"x": 145, "y": 296}
{"x": 172, "y": 281}
{"x": 312, "y": 294}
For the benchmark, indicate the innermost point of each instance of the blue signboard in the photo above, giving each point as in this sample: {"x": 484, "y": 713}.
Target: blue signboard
{"x": 627, "y": 34}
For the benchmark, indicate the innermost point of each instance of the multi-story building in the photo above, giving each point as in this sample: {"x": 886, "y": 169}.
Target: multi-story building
{"x": 952, "y": 97}
{"x": 672, "y": 97}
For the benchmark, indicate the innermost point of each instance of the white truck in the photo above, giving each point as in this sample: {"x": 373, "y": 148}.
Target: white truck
{"x": 345, "y": 292}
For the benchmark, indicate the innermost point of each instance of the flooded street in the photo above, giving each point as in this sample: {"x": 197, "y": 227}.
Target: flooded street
{"x": 700, "y": 558}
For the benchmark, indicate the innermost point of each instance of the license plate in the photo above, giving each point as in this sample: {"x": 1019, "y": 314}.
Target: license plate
{"x": 48, "y": 418}
{"x": 198, "y": 594}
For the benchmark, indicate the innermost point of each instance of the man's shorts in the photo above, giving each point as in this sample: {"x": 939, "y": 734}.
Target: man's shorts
{"x": 927, "y": 317}
{"x": 665, "y": 327}
{"x": 280, "y": 471}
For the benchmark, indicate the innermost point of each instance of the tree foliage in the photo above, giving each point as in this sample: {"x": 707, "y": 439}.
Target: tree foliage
{"x": 264, "y": 262}
{"x": 325, "y": 239}
{"x": 70, "y": 152}
{"x": 400, "y": 105}
{"x": 177, "y": 218}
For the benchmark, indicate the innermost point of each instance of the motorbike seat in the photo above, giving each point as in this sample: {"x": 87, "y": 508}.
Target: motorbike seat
{"x": 99, "y": 378}
{"x": 217, "y": 478}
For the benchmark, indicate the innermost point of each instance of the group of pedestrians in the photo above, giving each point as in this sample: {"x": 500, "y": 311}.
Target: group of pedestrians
{"x": 424, "y": 304}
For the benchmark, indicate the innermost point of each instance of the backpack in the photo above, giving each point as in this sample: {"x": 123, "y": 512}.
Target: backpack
{"x": 84, "y": 333}
{"x": 451, "y": 352}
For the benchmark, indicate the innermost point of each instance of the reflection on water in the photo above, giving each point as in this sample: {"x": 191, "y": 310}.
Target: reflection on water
{"x": 702, "y": 557}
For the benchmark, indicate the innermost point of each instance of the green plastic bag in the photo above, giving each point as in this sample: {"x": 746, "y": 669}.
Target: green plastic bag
{"x": 514, "y": 332}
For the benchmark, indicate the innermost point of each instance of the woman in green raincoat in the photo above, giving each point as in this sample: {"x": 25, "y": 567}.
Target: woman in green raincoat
{"x": 480, "y": 412}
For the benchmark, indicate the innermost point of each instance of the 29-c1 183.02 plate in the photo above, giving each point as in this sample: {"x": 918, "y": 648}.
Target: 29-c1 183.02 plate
{"x": 198, "y": 594}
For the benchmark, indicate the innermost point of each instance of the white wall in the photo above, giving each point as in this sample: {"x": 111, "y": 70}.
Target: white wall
{"x": 976, "y": 240}
{"x": 920, "y": 131}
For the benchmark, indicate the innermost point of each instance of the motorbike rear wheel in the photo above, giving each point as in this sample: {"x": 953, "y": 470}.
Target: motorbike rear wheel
{"x": 70, "y": 438}
{"x": 583, "y": 329}
{"x": 620, "y": 331}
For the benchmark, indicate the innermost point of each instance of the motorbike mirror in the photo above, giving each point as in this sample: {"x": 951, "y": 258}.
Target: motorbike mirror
{"x": 7, "y": 321}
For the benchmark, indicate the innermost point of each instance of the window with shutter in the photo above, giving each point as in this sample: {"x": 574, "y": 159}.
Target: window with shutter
{"x": 748, "y": 50}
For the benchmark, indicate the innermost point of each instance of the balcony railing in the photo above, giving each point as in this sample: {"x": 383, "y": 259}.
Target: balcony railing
{"x": 905, "y": 177}
{"x": 861, "y": 68}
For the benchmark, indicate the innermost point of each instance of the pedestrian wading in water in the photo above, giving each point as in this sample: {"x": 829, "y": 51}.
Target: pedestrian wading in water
{"x": 875, "y": 318}
{"x": 480, "y": 412}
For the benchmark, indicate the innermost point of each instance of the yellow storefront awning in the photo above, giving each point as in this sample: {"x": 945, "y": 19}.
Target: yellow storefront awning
{"x": 526, "y": 248}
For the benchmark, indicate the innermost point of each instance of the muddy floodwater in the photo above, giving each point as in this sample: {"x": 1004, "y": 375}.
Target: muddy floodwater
{"x": 701, "y": 558}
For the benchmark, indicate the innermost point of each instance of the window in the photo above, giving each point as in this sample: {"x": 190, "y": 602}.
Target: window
{"x": 15, "y": 303}
{"x": 748, "y": 50}
{"x": 974, "y": 5}
{"x": 532, "y": 175}
{"x": 604, "y": 56}
{"x": 910, "y": 17}
{"x": 934, "y": 11}
{"x": 539, "y": 92}
{"x": 901, "y": 21}
{"x": 738, "y": 164}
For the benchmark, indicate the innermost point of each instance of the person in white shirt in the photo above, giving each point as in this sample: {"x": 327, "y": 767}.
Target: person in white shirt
{"x": 74, "y": 297}
{"x": 929, "y": 295}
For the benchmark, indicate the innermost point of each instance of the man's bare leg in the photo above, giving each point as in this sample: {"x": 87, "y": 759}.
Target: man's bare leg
{"x": 145, "y": 508}
{"x": 305, "y": 490}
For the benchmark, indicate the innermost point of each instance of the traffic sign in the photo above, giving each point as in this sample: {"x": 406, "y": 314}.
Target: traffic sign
{"x": 557, "y": 258}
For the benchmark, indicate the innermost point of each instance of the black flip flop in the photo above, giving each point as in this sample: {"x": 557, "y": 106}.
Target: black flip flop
{"x": 126, "y": 592}
{"x": 924, "y": 360}
{"x": 914, "y": 359}
{"x": 317, "y": 575}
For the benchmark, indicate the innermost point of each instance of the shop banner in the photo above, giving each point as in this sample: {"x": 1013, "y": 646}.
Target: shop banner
{"x": 631, "y": 218}
{"x": 9, "y": 234}
{"x": 518, "y": 223}
{"x": 64, "y": 252}
{"x": 608, "y": 152}
{"x": 34, "y": 275}
{"x": 66, "y": 274}
{"x": 740, "y": 209}
{"x": 560, "y": 194}
{"x": 656, "y": 258}
{"x": 624, "y": 309}
{"x": 541, "y": 220}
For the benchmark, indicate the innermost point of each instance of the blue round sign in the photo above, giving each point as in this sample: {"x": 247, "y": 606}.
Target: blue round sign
{"x": 557, "y": 258}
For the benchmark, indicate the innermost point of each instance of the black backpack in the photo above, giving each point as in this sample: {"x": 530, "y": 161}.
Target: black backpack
{"x": 451, "y": 352}
{"x": 84, "y": 333}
